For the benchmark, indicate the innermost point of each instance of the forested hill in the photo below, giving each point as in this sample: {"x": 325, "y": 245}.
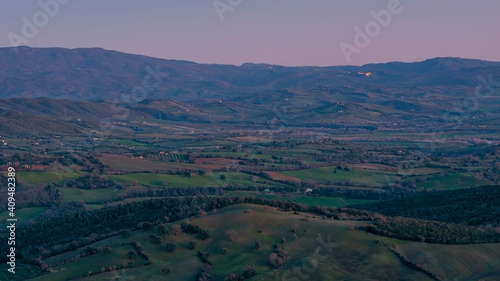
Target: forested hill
{"x": 471, "y": 206}
{"x": 110, "y": 221}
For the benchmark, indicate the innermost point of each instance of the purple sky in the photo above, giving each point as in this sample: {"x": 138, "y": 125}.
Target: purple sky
{"x": 286, "y": 32}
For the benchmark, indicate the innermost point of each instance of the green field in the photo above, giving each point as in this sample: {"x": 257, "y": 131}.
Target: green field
{"x": 128, "y": 142}
{"x": 454, "y": 181}
{"x": 128, "y": 164}
{"x": 22, "y": 272}
{"x": 332, "y": 202}
{"x": 96, "y": 195}
{"x": 320, "y": 201}
{"x": 46, "y": 177}
{"x": 91, "y": 207}
{"x": 358, "y": 201}
{"x": 421, "y": 171}
{"x": 327, "y": 176}
{"x": 456, "y": 262}
{"x": 22, "y": 214}
{"x": 176, "y": 181}
{"x": 130, "y": 200}
{"x": 235, "y": 154}
{"x": 93, "y": 263}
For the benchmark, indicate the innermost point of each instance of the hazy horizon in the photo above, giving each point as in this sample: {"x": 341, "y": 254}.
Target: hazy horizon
{"x": 55, "y": 47}
{"x": 280, "y": 32}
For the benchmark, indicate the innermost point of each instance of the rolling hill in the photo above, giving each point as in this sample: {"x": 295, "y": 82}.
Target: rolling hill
{"x": 26, "y": 125}
{"x": 97, "y": 84}
{"x": 247, "y": 235}
{"x": 89, "y": 74}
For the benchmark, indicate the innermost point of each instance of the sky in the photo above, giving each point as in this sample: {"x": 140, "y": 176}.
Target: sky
{"x": 283, "y": 32}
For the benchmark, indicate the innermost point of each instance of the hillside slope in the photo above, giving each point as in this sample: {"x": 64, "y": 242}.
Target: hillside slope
{"x": 316, "y": 249}
{"x": 88, "y": 74}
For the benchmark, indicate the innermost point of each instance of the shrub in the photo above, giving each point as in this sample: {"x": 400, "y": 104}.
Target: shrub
{"x": 131, "y": 255}
{"x": 249, "y": 271}
{"x": 147, "y": 226}
{"x": 155, "y": 239}
{"x": 107, "y": 250}
{"x": 163, "y": 230}
{"x": 170, "y": 247}
{"x": 192, "y": 245}
{"x": 232, "y": 234}
{"x": 125, "y": 233}
{"x": 234, "y": 277}
{"x": 176, "y": 229}
{"x": 165, "y": 270}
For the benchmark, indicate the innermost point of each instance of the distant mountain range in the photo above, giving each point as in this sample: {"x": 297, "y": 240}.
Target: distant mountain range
{"x": 91, "y": 74}
{"x": 89, "y": 84}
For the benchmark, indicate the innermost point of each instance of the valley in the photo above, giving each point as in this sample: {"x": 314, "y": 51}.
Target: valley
{"x": 258, "y": 172}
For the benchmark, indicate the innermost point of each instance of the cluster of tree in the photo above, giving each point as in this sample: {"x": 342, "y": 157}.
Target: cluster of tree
{"x": 155, "y": 239}
{"x": 92, "y": 181}
{"x": 30, "y": 162}
{"x": 92, "y": 164}
{"x": 186, "y": 172}
{"x": 57, "y": 210}
{"x": 288, "y": 206}
{"x": 430, "y": 231}
{"x": 141, "y": 251}
{"x": 30, "y": 195}
{"x": 169, "y": 192}
{"x": 278, "y": 257}
{"x": 192, "y": 245}
{"x": 169, "y": 156}
{"x": 194, "y": 229}
{"x": 248, "y": 272}
{"x": 204, "y": 257}
{"x": 415, "y": 266}
{"x": 472, "y": 206}
{"x": 170, "y": 247}
{"x": 37, "y": 238}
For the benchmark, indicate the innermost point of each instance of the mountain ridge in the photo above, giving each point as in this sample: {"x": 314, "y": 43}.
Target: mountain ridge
{"x": 95, "y": 73}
